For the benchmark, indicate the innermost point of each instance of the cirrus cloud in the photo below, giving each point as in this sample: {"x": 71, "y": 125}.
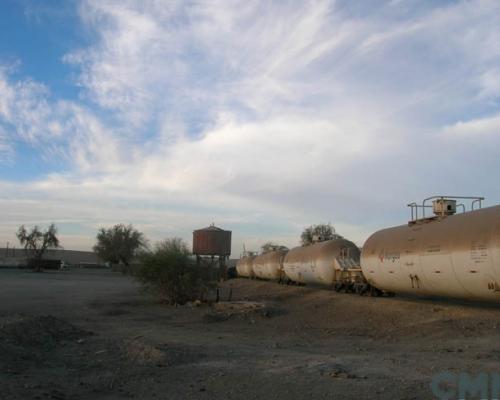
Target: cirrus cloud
{"x": 261, "y": 116}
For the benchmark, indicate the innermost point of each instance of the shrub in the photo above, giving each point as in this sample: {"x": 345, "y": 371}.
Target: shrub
{"x": 171, "y": 272}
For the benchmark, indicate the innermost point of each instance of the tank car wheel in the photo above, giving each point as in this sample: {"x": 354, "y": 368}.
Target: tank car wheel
{"x": 337, "y": 287}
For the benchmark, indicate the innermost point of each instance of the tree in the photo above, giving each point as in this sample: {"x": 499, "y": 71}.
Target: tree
{"x": 319, "y": 232}
{"x": 270, "y": 246}
{"x": 171, "y": 272}
{"x": 36, "y": 242}
{"x": 119, "y": 244}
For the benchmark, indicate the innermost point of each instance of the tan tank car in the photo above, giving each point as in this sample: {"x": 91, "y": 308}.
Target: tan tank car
{"x": 318, "y": 263}
{"x": 448, "y": 254}
{"x": 269, "y": 265}
{"x": 244, "y": 266}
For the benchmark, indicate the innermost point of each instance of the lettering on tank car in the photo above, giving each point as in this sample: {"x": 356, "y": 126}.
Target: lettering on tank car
{"x": 433, "y": 248}
{"x": 389, "y": 256}
{"x": 479, "y": 251}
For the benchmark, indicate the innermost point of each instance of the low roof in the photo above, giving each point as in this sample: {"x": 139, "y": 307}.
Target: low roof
{"x": 211, "y": 228}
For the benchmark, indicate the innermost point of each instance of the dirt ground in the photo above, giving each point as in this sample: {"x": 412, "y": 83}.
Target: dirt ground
{"x": 92, "y": 334}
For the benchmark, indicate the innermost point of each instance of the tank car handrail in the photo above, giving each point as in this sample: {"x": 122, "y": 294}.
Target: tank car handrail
{"x": 474, "y": 198}
{"x": 416, "y": 206}
{"x": 411, "y": 205}
{"x": 478, "y": 200}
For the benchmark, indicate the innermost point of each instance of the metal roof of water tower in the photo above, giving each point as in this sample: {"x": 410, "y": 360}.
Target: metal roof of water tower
{"x": 212, "y": 241}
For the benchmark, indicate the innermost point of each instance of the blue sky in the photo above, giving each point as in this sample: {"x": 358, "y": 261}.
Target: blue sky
{"x": 260, "y": 116}
{"x": 36, "y": 35}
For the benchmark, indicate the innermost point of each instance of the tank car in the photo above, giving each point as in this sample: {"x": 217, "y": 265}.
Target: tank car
{"x": 244, "y": 266}
{"x": 269, "y": 265}
{"x": 318, "y": 263}
{"x": 453, "y": 255}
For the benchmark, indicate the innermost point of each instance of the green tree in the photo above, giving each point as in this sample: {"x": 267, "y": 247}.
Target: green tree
{"x": 119, "y": 244}
{"x": 171, "y": 272}
{"x": 36, "y": 242}
{"x": 270, "y": 246}
{"x": 318, "y": 232}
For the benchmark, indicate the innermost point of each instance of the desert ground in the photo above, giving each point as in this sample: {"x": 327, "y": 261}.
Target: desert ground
{"x": 84, "y": 334}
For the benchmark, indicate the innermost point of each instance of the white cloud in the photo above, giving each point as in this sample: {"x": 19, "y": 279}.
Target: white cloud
{"x": 476, "y": 127}
{"x": 207, "y": 56}
{"x": 6, "y": 149}
{"x": 58, "y": 129}
{"x": 23, "y": 104}
{"x": 261, "y": 116}
{"x": 271, "y": 155}
{"x": 489, "y": 83}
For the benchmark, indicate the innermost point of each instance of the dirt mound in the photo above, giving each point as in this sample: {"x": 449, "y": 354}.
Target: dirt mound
{"x": 142, "y": 353}
{"x": 240, "y": 309}
{"x": 39, "y": 331}
{"x": 114, "y": 312}
{"x": 28, "y": 340}
{"x": 135, "y": 353}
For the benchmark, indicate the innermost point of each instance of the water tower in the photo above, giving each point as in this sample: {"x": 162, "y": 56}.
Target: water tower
{"x": 212, "y": 242}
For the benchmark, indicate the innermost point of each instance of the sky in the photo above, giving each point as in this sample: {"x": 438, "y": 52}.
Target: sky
{"x": 262, "y": 117}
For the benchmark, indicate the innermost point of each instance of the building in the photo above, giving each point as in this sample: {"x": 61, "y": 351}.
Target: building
{"x": 15, "y": 257}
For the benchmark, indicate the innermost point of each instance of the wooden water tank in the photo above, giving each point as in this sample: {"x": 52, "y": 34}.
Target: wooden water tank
{"x": 212, "y": 241}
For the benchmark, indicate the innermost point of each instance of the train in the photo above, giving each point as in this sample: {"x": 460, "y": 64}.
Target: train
{"x": 447, "y": 254}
